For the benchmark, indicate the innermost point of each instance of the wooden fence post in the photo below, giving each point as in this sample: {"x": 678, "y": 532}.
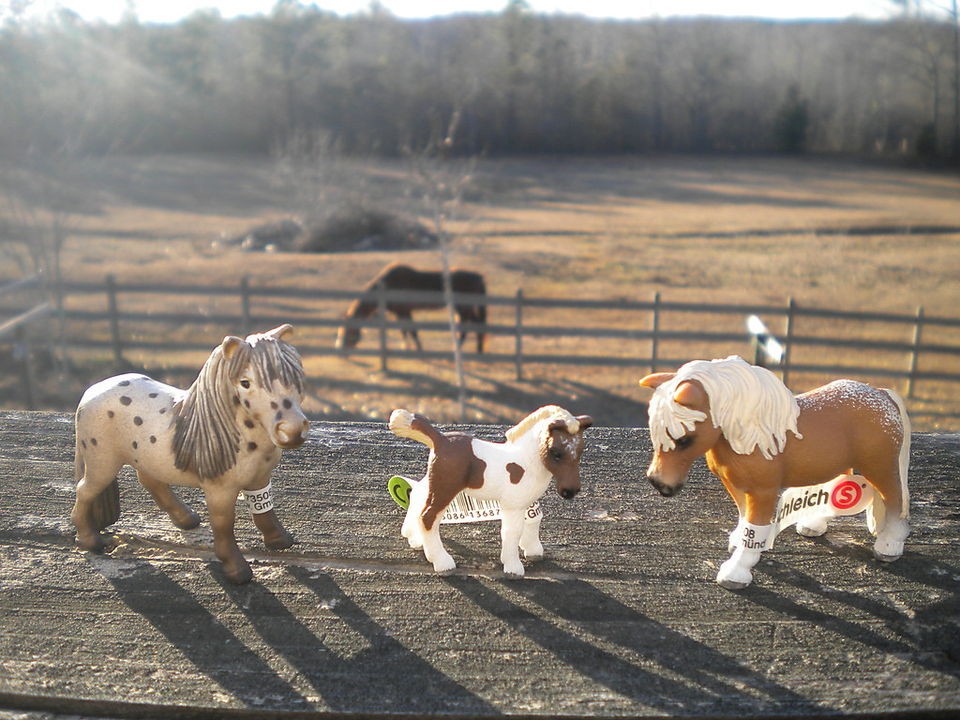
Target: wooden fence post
{"x": 518, "y": 336}
{"x": 655, "y": 339}
{"x": 22, "y": 352}
{"x": 114, "y": 320}
{"x": 915, "y": 354}
{"x": 382, "y": 310}
{"x": 245, "y": 304}
{"x": 788, "y": 341}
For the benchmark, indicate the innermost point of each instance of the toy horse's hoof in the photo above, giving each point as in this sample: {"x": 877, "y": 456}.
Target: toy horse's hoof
{"x": 514, "y": 571}
{"x": 444, "y": 566}
{"x": 732, "y": 584}
{"x": 281, "y": 542}
{"x": 812, "y": 528}
{"x": 240, "y": 575}
{"x": 733, "y": 577}
{"x": 96, "y": 545}
{"x": 887, "y": 556}
{"x": 188, "y": 521}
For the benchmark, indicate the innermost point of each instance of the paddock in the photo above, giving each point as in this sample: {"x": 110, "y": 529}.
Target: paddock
{"x": 623, "y": 618}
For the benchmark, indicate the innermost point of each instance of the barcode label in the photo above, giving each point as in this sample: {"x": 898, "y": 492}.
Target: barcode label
{"x": 465, "y": 509}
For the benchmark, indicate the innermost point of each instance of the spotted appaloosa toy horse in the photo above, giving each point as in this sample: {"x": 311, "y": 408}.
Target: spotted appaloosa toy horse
{"x": 740, "y": 415}
{"x": 223, "y": 435}
{"x": 546, "y": 444}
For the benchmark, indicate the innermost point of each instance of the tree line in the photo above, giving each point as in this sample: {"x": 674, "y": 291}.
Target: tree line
{"x": 506, "y": 83}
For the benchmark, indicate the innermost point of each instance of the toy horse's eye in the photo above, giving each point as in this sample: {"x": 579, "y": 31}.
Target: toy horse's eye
{"x": 556, "y": 454}
{"x": 684, "y": 442}
{"x": 245, "y": 384}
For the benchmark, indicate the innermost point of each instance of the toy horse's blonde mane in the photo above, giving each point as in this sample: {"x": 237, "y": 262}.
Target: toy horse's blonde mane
{"x": 547, "y": 412}
{"x": 750, "y": 404}
{"x": 207, "y": 439}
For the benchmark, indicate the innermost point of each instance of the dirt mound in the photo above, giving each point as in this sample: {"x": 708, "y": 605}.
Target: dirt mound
{"x": 348, "y": 230}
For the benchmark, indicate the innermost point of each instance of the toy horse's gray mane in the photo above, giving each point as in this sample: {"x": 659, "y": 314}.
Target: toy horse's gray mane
{"x": 207, "y": 439}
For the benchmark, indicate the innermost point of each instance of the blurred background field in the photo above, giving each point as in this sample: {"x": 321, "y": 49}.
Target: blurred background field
{"x": 829, "y": 234}
{"x": 743, "y": 162}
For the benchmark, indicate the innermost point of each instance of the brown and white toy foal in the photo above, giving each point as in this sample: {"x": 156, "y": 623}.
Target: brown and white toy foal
{"x": 546, "y": 445}
{"x": 224, "y": 434}
{"x": 759, "y": 438}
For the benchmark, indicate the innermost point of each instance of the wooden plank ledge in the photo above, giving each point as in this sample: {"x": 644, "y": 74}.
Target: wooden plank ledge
{"x": 623, "y": 618}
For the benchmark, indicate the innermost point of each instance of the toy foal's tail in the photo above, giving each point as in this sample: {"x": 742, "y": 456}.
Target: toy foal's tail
{"x": 416, "y": 427}
{"x": 904, "y": 453}
{"x": 105, "y": 509}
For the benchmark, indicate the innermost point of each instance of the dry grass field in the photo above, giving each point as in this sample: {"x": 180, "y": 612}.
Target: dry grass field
{"x": 828, "y": 234}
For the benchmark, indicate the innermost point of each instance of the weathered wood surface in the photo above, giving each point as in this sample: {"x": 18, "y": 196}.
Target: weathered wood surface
{"x": 623, "y": 619}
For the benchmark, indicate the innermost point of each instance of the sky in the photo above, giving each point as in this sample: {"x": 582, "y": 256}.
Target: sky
{"x": 173, "y": 10}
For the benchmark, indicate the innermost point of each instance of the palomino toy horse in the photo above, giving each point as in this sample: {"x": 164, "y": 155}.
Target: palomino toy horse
{"x": 403, "y": 277}
{"x": 547, "y": 444}
{"x": 759, "y": 438}
{"x": 223, "y": 435}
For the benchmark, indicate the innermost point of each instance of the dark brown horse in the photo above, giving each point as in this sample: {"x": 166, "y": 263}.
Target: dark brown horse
{"x": 403, "y": 277}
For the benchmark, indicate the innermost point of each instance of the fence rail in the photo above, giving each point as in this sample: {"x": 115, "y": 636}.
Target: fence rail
{"x": 13, "y": 330}
{"x": 912, "y": 346}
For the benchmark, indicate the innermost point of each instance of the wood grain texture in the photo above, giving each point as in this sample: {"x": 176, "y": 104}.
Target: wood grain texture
{"x": 623, "y": 618}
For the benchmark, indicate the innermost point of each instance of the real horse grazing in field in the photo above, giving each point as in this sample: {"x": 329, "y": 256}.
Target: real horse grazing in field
{"x": 397, "y": 276}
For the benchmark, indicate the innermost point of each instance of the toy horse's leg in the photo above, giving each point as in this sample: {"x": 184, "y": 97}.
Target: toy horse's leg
{"x": 437, "y": 500}
{"x": 740, "y": 499}
{"x": 890, "y": 521}
{"x": 181, "y": 515}
{"x": 275, "y": 536}
{"x": 511, "y": 530}
{"x": 752, "y": 532}
{"x": 412, "y": 530}
{"x": 530, "y": 538}
{"x": 94, "y": 473}
{"x": 222, "y": 504}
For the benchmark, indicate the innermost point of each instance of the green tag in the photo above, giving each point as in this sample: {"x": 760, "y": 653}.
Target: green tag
{"x": 399, "y": 489}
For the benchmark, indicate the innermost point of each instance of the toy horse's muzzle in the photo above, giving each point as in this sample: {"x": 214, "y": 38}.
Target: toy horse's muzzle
{"x": 290, "y": 434}
{"x": 663, "y": 488}
{"x": 567, "y": 487}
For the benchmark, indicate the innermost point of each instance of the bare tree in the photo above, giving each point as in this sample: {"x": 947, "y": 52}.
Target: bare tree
{"x": 441, "y": 181}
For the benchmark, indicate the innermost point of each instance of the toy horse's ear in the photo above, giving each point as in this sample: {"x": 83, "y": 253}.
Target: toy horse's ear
{"x": 655, "y": 380}
{"x": 282, "y": 332}
{"x": 689, "y": 394}
{"x": 585, "y": 421}
{"x": 557, "y": 425}
{"x": 230, "y": 344}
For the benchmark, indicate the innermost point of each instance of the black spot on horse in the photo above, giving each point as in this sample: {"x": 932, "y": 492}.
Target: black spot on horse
{"x": 138, "y": 420}
{"x": 125, "y": 400}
